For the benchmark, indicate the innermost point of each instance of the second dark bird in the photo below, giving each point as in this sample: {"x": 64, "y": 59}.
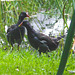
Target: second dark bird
{"x": 40, "y": 41}
{"x": 15, "y": 34}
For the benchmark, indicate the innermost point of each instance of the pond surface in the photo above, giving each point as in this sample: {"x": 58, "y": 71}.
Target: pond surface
{"x": 48, "y": 26}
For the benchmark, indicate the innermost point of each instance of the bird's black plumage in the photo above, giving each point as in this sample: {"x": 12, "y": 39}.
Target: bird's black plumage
{"x": 39, "y": 40}
{"x": 15, "y": 33}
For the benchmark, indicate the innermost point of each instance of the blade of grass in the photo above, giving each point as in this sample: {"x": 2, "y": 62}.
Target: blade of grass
{"x": 67, "y": 46}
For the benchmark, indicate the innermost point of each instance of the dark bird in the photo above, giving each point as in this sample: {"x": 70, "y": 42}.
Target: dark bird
{"x": 40, "y": 41}
{"x": 15, "y": 34}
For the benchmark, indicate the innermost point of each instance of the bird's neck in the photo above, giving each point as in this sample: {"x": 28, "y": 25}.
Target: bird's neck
{"x": 30, "y": 29}
{"x": 19, "y": 21}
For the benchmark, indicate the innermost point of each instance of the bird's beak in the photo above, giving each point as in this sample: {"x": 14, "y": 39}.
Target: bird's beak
{"x": 20, "y": 24}
{"x": 27, "y": 15}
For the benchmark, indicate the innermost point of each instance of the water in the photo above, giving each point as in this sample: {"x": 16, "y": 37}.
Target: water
{"x": 41, "y": 22}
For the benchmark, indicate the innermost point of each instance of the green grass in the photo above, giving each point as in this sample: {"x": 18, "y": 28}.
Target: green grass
{"x": 30, "y": 63}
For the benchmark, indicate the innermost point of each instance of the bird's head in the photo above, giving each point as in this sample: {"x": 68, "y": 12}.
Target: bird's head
{"x": 23, "y": 15}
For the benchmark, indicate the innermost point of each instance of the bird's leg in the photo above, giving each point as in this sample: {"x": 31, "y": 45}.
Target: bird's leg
{"x": 18, "y": 47}
{"x": 39, "y": 53}
{"x": 47, "y": 54}
{"x": 12, "y": 48}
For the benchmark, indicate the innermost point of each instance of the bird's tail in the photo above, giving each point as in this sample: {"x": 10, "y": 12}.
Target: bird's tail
{"x": 60, "y": 37}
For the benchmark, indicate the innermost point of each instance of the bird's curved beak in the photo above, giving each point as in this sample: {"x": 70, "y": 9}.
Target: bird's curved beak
{"x": 20, "y": 24}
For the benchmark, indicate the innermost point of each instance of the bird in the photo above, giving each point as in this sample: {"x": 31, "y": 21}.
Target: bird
{"x": 40, "y": 41}
{"x": 15, "y": 34}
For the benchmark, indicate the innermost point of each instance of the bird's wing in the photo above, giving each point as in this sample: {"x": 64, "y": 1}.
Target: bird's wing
{"x": 42, "y": 44}
{"x": 44, "y": 37}
{"x": 38, "y": 41}
{"x": 11, "y": 28}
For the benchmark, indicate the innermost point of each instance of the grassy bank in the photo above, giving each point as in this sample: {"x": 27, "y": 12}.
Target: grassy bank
{"x": 29, "y": 63}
